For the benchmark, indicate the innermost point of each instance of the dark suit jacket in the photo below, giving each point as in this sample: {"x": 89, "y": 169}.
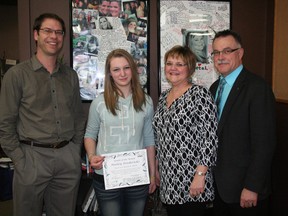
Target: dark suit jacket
{"x": 247, "y": 139}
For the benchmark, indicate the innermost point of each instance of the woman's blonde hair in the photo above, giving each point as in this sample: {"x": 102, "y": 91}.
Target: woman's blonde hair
{"x": 112, "y": 92}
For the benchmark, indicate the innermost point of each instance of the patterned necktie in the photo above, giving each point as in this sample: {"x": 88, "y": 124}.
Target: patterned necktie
{"x": 220, "y": 91}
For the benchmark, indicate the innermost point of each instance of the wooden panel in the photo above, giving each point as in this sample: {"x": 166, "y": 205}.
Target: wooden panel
{"x": 280, "y": 52}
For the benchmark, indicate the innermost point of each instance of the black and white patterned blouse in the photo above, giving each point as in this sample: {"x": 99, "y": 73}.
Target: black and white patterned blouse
{"x": 185, "y": 135}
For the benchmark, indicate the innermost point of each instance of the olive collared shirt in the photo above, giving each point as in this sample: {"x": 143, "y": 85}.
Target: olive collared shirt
{"x": 39, "y": 106}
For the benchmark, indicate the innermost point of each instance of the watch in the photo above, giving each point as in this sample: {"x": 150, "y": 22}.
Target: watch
{"x": 200, "y": 173}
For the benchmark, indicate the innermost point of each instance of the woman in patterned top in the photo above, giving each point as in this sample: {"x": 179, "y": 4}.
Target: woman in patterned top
{"x": 185, "y": 124}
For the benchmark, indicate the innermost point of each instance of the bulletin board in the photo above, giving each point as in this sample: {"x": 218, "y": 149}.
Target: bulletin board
{"x": 124, "y": 25}
{"x": 280, "y": 51}
{"x": 180, "y": 20}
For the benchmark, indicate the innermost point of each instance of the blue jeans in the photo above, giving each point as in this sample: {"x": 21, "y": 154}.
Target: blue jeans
{"x": 128, "y": 201}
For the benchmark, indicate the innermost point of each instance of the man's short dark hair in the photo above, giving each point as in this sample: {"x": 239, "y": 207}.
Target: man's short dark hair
{"x": 229, "y": 32}
{"x": 39, "y": 20}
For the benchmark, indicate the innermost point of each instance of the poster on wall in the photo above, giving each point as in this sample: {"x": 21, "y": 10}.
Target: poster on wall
{"x": 100, "y": 26}
{"x": 192, "y": 23}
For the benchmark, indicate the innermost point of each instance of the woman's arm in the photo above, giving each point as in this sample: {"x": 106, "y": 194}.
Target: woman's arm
{"x": 151, "y": 162}
{"x": 90, "y": 147}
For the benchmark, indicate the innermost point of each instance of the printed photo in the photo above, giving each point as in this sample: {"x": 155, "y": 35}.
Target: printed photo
{"x": 198, "y": 43}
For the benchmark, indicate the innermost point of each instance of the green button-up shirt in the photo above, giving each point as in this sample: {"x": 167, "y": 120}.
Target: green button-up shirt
{"x": 39, "y": 106}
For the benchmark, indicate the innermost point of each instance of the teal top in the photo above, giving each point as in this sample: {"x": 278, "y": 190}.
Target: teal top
{"x": 128, "y": 130}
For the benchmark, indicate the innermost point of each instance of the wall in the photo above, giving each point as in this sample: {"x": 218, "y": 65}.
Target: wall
{"x": 9, "y": 31}
{"x": 254, "y": 20}
{"x": 280, "y": 63}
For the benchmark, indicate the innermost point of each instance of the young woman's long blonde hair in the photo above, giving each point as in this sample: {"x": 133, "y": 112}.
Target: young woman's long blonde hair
{"x": 112, "y": 92}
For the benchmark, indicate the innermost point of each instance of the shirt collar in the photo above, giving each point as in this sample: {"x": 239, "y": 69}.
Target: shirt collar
{"x": 36, "y": 65}
{"x": 230, "y": 79}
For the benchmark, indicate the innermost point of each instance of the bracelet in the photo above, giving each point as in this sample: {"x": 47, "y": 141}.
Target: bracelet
{"x": 199, "y": 173}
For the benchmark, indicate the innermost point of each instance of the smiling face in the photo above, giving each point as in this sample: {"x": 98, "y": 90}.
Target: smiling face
{"x": 176, "y": 71}
{"x": 49, "y": 44}
{"x": 197, "y": 43}
{"x": 226, "y": 63}
{"x": 103, "y": 23}
{"x": 104, "y": 8}
{"x": 132, "y": 26}
{"x": 115, "y": 8}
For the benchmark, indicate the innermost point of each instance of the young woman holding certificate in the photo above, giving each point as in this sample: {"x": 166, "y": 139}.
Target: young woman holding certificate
{"x": 120, "y": 120}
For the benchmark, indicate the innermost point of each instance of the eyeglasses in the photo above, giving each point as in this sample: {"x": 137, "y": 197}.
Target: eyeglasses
{"x": 226, "y": 52}
{"x": 49, "y": 31}
{"x": 177, "y": 65}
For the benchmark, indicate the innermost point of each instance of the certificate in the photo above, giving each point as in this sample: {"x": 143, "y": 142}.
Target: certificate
{"x": 125, "y": 169}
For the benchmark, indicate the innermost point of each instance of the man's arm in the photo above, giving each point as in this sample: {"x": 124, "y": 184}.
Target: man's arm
{"x": 78, "y": 114}
{"x": 10, "y": 100}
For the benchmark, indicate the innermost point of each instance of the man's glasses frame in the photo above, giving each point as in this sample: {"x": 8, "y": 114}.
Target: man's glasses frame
{"x": 49, "y": 31}
{"x": 227, "y": 51}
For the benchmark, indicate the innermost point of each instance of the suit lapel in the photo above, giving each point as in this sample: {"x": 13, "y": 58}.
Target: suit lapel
{"x": 214, "y": 87}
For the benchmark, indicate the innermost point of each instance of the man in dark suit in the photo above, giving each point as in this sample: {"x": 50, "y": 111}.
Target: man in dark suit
{"x": 246, "y": 132}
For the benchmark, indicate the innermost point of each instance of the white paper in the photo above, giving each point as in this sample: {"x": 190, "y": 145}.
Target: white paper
{"x": 178, "y": 17}
{"x": 125, "y": 169}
